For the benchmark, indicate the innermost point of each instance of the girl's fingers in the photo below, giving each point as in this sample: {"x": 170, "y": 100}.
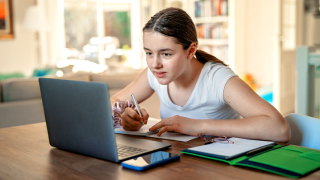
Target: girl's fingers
{"x": 165, "y": 129}
{"x": 156, "y": 126}
{"x": 145, "y": 115}
{"x": 162, "y": 123}
{"x": 130, "y": 120}
{"x": 130, "y": 127}
{"x": 132, "y": 114}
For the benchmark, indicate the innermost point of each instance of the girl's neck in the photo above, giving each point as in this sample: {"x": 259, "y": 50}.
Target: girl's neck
{"x": 190, "y": 76}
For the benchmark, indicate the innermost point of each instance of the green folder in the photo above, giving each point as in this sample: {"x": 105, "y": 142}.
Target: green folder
{"x": 290, "y": 161}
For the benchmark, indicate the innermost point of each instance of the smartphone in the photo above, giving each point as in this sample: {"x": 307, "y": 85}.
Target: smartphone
{"x": 150, "y": 160}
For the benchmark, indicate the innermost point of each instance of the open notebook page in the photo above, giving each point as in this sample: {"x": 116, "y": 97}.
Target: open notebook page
{"x": 145, "y": 129}
{"x": 240, "y": 146}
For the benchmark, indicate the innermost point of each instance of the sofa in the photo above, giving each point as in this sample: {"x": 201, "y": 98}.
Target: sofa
{"x": 20, "y": 98}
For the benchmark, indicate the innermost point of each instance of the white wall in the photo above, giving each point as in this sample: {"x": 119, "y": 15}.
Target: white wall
{"x": 19, "y": 54}
{"x": 259, "y": 40}
{"x": 55, "y": 36}
{"x": 22, "y": 53}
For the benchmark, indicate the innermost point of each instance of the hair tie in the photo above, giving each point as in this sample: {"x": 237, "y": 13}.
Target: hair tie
{"x": 118, "y": 108}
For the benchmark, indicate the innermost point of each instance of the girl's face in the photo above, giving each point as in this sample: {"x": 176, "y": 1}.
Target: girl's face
{"x": 165, "y": 58}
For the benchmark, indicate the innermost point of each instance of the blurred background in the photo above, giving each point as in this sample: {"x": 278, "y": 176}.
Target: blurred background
{"x": 257, "y": 38}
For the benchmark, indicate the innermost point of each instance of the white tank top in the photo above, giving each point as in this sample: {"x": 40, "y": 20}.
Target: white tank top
{"x": 206, "y": 100}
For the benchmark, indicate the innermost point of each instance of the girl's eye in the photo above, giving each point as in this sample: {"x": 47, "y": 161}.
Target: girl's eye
{"x": 149, "y": 53}
{"x": 166, "y": 54}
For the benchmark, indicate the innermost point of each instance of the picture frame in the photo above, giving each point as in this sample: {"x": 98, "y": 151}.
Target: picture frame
{"x": 6, "y": 20}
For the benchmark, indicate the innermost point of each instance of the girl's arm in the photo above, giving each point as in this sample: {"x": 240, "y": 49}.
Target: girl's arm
{"x": 260, "y": 119}
{"x": 141, "y": 89}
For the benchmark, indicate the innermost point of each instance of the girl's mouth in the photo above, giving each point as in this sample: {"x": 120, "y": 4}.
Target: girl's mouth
{"x": 160, "y": 74}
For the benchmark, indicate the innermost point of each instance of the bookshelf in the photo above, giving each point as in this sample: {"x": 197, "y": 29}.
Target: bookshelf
{"x": 254, "y": 42}
{"x": 213, "y": 42}
{"x": 212, "y": 23}
{"x": 226, "y": 43}
{"x": 211, "y": 20}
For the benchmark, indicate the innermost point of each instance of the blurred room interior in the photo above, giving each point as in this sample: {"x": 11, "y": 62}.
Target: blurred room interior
{"x": 257, "y": 38}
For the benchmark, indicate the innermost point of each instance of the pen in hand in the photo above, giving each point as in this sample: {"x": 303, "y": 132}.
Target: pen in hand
{"x": 137, "y": 106}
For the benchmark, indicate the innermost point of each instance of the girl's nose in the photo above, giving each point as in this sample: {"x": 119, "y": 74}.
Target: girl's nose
{"x": 156, "y": 63}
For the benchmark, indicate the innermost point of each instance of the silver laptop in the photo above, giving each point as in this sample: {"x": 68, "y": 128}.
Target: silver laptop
{"x": 78, "y": 117}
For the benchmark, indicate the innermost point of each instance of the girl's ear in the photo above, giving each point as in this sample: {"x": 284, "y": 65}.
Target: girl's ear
{"x": 192, "y": 50}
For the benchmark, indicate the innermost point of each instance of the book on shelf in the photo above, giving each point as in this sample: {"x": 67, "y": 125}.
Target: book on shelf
{"x": 220, "y": 52}
{"x": 211, "y": 8}
{"x": 212, "y": 31}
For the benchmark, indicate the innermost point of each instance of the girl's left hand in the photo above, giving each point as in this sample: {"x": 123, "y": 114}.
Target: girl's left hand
{"x": 178, "y": 124}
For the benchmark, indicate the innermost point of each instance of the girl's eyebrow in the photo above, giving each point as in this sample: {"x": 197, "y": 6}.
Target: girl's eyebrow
{"x": 165, "y": 49}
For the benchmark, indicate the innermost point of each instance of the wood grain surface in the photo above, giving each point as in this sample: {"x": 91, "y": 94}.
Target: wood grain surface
{"x": 25, "y": 153}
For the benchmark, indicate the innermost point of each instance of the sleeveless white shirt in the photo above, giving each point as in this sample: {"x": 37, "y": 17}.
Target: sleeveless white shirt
{"x": 206, "y": 100}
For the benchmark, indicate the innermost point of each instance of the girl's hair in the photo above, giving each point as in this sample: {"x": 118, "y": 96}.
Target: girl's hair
{"x": 177, "y": 23}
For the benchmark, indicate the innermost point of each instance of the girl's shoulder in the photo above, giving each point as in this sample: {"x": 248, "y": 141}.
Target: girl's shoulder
{"x": 216, "y": 74}
{"x": 212, "y": 68}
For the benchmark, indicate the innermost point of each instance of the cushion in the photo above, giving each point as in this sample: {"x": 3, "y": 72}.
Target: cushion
{"x": 17, "y": 89}
{"x": 21, "y": 113}
{"x": 8, "y": 76}
{"x": 115, "y": 80}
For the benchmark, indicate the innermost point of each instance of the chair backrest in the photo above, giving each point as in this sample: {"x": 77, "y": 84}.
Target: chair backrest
{"x": 305, "y": 130}
{"x": 307, "y": 81}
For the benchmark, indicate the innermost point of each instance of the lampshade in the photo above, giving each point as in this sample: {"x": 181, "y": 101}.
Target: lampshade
{"x": 35, "y": 19}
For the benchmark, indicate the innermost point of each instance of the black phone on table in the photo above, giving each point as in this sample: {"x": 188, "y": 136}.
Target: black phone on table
{"x": 150, "y": 160}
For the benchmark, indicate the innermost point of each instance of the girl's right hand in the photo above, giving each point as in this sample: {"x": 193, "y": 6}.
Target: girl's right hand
{"x": 125, "y": 114}
{"x": 131, "y": 121}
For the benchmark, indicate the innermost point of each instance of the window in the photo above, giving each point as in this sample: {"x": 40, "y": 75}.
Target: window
{"x": 100, "y": 31}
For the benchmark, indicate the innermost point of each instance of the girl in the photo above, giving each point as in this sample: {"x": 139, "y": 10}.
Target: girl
{"x": 199, "y": 94}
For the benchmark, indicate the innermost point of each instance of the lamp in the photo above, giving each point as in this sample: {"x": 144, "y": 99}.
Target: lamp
{"x": 35, "y": 20}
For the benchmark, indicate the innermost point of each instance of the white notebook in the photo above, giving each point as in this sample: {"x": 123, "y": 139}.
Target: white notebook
{"x": 229, "y": 151}
{"x": 143, "y": 131}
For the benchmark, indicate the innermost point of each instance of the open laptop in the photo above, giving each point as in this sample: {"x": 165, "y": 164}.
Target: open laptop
{"x": 78, "y": 117}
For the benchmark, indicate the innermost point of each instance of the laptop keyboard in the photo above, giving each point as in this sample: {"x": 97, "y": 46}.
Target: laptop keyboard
{"x": 125, "y": 151}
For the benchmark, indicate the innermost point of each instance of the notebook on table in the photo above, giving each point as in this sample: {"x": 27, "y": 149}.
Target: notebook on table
{"x": 229, "y": 150}
{"x": 78, "y": 118}
{"x": 290, "y": 161}
{"x": 144, "y": 131}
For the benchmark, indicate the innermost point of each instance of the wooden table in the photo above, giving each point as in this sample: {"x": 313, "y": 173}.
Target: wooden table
{"x": 25, "y": 153}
